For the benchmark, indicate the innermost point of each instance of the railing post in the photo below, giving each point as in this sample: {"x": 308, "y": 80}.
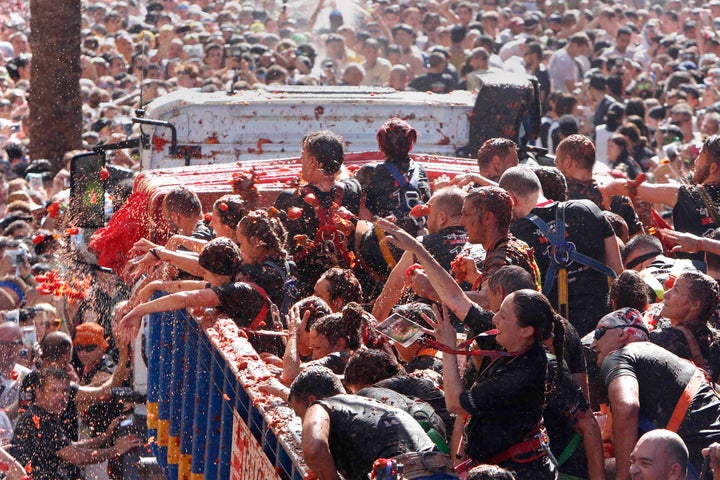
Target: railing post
{"x": 197, "y": 466}
{"x": 179, "y": 328}
{"x": 188, "y": 399}
{"x": 230, "y": 387}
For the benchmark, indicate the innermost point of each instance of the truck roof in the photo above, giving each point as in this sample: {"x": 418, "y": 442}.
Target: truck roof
{"x": 221, "y": 127}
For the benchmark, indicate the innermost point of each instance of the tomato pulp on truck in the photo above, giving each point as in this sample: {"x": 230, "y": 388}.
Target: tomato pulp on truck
{"x": 188, "y": 127}
{"x": 201, "y": 139}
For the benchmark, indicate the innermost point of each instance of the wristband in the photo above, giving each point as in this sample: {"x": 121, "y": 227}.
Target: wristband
{"x": 698, "y": 244}
{"x": 154, "y": 253}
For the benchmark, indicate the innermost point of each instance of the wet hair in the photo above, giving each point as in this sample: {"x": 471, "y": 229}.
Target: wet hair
{"x": 711, "y": 147}
{"x": 220, "y": 256}
{"x": 533, "y": 309}
{"x": 703, "y": 289}
{"x": 54, "y": 346}
{"x": 414, "y": 312}
{"x": 492, "y": 147}
{"x": 511, "y": 278}
{"x": 318, "y": 309}
{"x": 396, "y": 138}
{"x": 618, "y": 224}
{"x": 449, "y": 200}
{"x": 343, "y": 284}
{"x": 644, "y": 243}
{"x": 327, "y": 148}
{"x": 579, "y": 148}
{"x": 52, "y": 373}
{"x": 632, "y": 132}
{"x": 344, "y": 325}
{"x": 554, "y": 183}
{"x": 230, "y": 209}
{"x": 183, "y": 201}
{"x": 520, "y": 181}
{"x": 495, "y": 200}
{"x": 489, "y": 472}
{"x": 369, "y": 366}
{"x": 318, "y": 381}
{"x": 628, "y": 290}
{"x": 267, "y": 230}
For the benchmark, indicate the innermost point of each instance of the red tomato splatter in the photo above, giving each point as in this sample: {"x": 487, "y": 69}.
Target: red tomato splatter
{"x": 53, "y": 209}
{"x": 104, "y": 174}
{"x": 72, "y": 231}
{"x": 36, "y": 421}
{"x": 310, "y": 199}
{"x": 294, "y": 213}
{"x": 420, "y": 211}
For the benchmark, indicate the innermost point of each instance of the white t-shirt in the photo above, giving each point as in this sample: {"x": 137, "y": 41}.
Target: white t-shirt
{"x": 562, "y": 68}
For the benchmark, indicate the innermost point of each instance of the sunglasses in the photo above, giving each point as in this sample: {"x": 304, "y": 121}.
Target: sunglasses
{"x": 53, "y": 323}
{"x": 85, "y": 348}
{"x": 601, "y": 331}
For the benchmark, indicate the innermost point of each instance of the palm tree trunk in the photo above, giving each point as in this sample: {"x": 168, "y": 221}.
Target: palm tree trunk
{"x": 55, "y": 102}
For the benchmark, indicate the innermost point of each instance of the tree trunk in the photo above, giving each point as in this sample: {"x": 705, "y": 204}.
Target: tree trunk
{"x": 55, "y": 102}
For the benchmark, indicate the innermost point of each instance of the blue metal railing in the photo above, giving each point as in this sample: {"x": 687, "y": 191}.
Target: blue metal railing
{"x": 207, "y": 420}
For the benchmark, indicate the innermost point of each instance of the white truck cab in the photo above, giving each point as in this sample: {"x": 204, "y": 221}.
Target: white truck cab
{"x": 189, "y": 127}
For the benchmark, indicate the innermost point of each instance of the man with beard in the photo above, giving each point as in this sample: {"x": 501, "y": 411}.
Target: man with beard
{"x": 40, "y": 442}
{"x": 695, "y": 207}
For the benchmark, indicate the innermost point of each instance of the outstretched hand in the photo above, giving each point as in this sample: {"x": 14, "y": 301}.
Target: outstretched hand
{"x": 396, "y": 235}
{"x": 442, "y": 328}
{"x": 684, "y": 242}
{"x": 129, "y": 326}
{"x": 141, "y": 247}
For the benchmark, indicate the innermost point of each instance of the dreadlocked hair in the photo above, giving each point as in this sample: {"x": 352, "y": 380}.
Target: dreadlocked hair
{"x": 343, "y": 325}
{"x": 267, "y": 230}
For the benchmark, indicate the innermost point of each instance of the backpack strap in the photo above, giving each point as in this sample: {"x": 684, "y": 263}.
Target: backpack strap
{"x": 709, "y": 204}
{"x": 564, "y": 252}
{"x": 290, "y": 288}
{"x": 401, "y": 179}
{"x": 695, "y": 351}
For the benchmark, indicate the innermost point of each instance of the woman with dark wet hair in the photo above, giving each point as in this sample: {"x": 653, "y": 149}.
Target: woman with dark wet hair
{"x": 506, "y": 401}
{"x": 243, "y": 302}
{"x": 399, "y": 183}
{"x": 391, "y": 190}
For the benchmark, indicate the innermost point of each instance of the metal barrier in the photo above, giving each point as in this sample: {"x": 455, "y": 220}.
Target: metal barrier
{"x": 206, "y": 418}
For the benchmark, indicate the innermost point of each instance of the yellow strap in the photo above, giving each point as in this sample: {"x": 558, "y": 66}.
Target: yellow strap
{"x": 384, "y": 247}
{"x": 563, "y": 292}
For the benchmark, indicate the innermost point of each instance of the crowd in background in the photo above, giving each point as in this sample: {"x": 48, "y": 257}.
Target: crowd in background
{"x": 630, "y": 88}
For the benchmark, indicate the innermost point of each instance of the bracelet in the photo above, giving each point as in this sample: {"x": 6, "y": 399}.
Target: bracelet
{"x": 698, "y": 244}
{"x": 154, "y": 253}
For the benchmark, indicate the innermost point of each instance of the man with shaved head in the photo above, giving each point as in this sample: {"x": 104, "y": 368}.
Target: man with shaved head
{"x": 659, "y": 455}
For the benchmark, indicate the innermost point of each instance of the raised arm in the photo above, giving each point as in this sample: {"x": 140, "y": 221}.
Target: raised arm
{"x": 624, "y": 396}
{"x": 316, "y": 443}
{"x": 588, "y": 427}
{"x": 130, "y": 323}
{"x": 392, "y": 291}
{"x": 444, "y": 284}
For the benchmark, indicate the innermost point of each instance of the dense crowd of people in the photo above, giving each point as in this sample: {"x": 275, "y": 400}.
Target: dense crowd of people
{"x": 517, "y": 321}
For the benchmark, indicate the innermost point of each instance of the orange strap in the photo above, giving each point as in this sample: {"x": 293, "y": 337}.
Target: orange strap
{"x": 695, "y": 351}
{"x": 683, "y": 403}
